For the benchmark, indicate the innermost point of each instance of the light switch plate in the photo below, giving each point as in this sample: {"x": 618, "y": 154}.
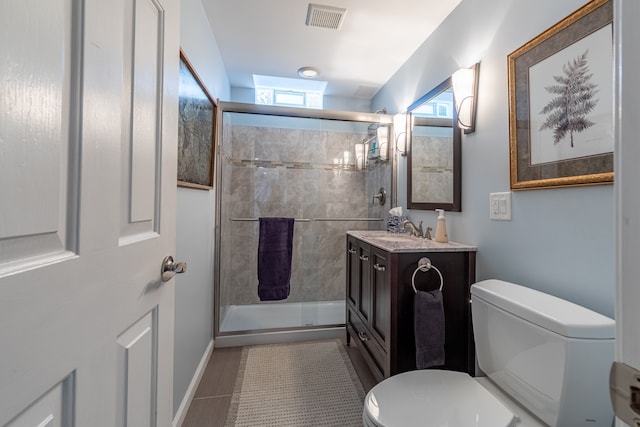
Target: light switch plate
{"x": 500, "y": 206}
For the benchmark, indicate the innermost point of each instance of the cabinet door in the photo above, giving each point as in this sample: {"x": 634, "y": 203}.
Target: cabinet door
{"x": 364, "y": 254}
{"x": 353, "y": 273}
{"x": 380, "y": 321}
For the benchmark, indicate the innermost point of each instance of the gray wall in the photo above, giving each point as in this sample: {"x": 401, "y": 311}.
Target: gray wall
{"x": 560, "y": 240}
{"x": 195, "y": 218}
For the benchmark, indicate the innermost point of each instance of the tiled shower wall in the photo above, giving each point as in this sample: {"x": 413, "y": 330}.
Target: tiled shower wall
{"x": 432, "y": 167}
{"x": 294, "y": 172}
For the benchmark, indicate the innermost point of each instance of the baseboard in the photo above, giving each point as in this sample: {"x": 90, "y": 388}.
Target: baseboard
{"x": 191, "y": 390}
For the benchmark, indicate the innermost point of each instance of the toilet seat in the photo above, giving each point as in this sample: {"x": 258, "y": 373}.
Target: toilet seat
{"x": 433, "y": 398}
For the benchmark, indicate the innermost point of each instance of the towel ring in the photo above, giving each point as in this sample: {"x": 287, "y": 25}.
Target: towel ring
{"x": 424, "y": 265}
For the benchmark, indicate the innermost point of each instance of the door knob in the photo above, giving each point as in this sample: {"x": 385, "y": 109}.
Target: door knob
{"x": 625, "y": 393}
{"x": 171, "y": 268}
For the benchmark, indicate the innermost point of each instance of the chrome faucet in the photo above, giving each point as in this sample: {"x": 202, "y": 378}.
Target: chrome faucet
{"x": 415, "y": 231}
{"x": 427, "y": 233}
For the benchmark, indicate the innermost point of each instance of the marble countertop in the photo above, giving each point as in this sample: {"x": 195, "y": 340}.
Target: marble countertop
{"x": 396, "y": 242}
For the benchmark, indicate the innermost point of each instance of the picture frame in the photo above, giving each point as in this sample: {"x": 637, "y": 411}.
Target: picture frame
{"x": 197, "y": 113}
{"x": 561, "y": 103}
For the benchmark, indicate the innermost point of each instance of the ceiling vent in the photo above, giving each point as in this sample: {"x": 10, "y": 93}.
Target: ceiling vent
{"x": 323, "y": 16}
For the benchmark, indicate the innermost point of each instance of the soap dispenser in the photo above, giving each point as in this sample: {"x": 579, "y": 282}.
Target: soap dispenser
{"x": 441, "y": 228}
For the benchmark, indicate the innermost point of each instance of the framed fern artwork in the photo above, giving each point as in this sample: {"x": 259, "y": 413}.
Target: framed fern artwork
{"x": 561, "y": 103}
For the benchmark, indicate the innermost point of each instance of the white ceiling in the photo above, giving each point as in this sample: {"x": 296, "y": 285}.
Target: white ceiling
{"x": 269, "y": 37}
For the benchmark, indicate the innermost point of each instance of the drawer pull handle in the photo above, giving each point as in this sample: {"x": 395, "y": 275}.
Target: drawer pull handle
{"x": 364, "y": 258}
{"x": 379, "y": 267}
{"x": 363, "y": 337}
{"x": 352, "y": 251}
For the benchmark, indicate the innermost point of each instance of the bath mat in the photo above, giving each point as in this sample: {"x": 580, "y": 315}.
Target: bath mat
{"x": 301, "y": 384}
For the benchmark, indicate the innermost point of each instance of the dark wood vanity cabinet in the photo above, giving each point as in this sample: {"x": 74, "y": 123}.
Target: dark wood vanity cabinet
{"x": 368, "y": 302}
{"x": 380, "y": 305}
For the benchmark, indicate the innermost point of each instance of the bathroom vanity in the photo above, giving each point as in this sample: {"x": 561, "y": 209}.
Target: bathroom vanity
{"x": 380, "y": 266}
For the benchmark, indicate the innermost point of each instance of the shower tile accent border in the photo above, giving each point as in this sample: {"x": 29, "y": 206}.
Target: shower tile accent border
{"x": 270, "y": 164}
{"x": 434, "y": 169}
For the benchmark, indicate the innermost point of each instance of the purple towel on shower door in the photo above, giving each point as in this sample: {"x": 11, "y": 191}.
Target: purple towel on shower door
{"x": 428, "y": 326}
{"x": 275, "y": 248}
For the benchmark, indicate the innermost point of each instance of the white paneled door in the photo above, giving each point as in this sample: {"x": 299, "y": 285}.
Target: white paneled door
{"x": 88, "y": 136}
{"x": 626, "y": 378}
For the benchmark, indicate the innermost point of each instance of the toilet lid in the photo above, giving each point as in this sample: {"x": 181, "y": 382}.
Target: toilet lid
{"x": 434, "y": 398}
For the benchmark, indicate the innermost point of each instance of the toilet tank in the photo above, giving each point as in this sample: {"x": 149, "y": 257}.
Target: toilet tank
{"x": 551, "y": 355}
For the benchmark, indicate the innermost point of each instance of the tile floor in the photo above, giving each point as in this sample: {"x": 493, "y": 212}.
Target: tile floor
{"x": 213, "y": 396}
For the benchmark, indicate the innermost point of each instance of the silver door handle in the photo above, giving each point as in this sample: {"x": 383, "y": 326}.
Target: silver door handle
{"x": 171, "y": 268}
{"x": 625, "y": 393}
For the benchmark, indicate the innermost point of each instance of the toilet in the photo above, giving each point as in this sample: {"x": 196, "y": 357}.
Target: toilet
{"x": 546, "y": 362}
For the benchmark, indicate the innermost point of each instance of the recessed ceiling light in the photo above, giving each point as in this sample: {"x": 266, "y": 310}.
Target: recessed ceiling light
{"x": 308, "y": 72}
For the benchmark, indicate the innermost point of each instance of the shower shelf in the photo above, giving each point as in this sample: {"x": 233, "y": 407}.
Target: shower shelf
{"x": 347, "y": 219}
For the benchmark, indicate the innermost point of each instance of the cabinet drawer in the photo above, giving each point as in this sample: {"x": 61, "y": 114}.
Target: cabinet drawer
{"x": 374, "y": 350}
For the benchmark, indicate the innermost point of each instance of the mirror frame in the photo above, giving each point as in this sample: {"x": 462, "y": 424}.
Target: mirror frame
{"x": 455, "y": 206}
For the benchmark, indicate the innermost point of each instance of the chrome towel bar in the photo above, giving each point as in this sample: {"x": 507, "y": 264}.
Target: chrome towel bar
{"x": 347, "y": 219}
{"x": 256, "y": 219}
{"x": 314, "y": 219}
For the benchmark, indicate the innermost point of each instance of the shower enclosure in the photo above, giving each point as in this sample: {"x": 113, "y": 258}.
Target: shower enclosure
{"x": 302, "y": 164}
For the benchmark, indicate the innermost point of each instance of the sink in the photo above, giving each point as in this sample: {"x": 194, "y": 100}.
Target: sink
{"x": 404, "y": 242}
{"x": 396, "y": 239}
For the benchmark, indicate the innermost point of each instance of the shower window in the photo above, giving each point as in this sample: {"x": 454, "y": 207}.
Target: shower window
{"x": 288, "y": 98}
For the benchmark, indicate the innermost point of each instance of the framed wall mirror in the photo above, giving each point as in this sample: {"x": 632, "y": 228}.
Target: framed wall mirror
{"x": 434, "y": 158}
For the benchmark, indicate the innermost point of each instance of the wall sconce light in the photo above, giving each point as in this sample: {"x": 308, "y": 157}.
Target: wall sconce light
{"x": 382, "y": 134}
{"x": 400, "y": 133}
{"x": 465, "y": 94}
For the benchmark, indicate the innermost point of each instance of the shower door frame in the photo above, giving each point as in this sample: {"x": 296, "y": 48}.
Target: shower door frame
{"x": 238, "y": 107}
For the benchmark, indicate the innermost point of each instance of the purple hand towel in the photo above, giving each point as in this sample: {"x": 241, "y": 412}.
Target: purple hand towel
{"x": 428, "y": 326}
{"x": 275, "y": 248}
